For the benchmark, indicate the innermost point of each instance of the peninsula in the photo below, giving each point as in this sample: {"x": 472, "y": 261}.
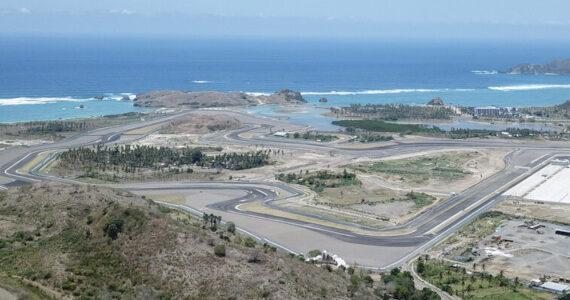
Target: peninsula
{"x": 173, "y": 98}
{"x": 558, "y": 67}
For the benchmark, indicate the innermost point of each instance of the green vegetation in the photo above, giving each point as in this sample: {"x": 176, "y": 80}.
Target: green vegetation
{"x": 448, "y": 166}
{"x": 420, "y": 199}
{"x": 318, "y": 137}
{"x": 220, "y": 250}
{"x": 95, "y": 243}
{"x": 240, "y": 161}
{"x": 455, "y": 280}
{"x": 22, "y": 289}
{"x": 382, "y": 126}
{"x": 58, "y": 129}
{"x": 130, "y": 159}
{"x": 371, "y": 138}
{"x": 404, "y": 286}
{"x": 483, "y": 133}
{"x": 113, "y": 228}
{"x": 393, "y": 112}
{"x": 481, "y": 227}
{"x": 318, "y": 181}
{"x": 314, "y": 252}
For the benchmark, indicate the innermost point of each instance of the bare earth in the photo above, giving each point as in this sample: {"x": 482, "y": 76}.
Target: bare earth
{"x": 202, "y": 124}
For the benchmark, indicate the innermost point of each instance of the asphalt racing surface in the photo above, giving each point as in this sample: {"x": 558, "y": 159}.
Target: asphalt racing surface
{"x": 366, "y": 246}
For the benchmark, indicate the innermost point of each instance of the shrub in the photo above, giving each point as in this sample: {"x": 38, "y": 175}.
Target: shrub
{"x": 254, "y": 256}
{"x": 231, "y": 227}
{"x": 249, "y": 242}
{"x": 315, "y": 252}
{"x": 220, "y": 250}
{"x": 113, "y": 228}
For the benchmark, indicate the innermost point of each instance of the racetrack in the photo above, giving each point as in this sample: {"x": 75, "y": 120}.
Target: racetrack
{"x": 370, "y": 247}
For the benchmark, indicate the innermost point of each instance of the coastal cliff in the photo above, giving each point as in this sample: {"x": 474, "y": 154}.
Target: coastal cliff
{"x": 171, "y": 98}
{"x": 559, "y": 67}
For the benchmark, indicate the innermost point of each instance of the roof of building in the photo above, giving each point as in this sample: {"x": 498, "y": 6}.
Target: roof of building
{"x": 561, "y": 288}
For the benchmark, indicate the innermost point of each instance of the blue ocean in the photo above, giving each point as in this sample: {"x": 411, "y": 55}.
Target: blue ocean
{"x": 49, "y": 78}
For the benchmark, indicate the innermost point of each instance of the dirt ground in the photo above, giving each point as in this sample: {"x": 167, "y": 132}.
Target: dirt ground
{"x": 478, "y": 164}
{"x": 14, "y": 143}
{"x": 202, "y": 124}
{"x": 559, "y": 213}
{"x": 532, "y": 254}
{"x": 501, "y": 242}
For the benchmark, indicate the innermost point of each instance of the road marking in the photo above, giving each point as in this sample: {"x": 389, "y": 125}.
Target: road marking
{"x": 261, "y": 192}
{"x": 326, "y": 230}
{"x": 498, "y": 191}
{"x": 281, "y": 246}
{"x": 12, "y": 166}
{"x": 532, "y": 162}
{"x": 34, "y": 162}
{"x": 249, "y": 233}
{"x": 290, "y": 223}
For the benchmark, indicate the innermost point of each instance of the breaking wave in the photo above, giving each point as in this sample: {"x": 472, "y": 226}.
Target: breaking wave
{"x": 528, "y": 87}
{"x": 44, "y": 100}
{"x": 479, "y": 72}
{"x": 200, "y": 81}
{"x": 38, "y": 100}
{"x": 372, "y": 92}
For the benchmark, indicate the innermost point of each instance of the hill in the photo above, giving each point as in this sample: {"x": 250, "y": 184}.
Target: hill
{"x": 436, "y": 102}
{"x": 61, "y": 241}
{"x": 172, "y": 99}
{"x": 560, "y": 67}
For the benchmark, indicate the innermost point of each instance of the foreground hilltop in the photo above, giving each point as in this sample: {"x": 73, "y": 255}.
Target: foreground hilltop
{"x": 61, "y": 241}
{"x": 171, "y": 99}
{"x": 560, "y": 67}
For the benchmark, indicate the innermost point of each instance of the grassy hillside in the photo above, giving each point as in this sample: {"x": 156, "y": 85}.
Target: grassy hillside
{"x": 65, "y": 241}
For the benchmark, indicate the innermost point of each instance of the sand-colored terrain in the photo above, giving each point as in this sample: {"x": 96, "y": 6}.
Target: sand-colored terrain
{"x": 7, "y": 143}
{"x": 433, "y": 172}
{"x": 202, "y": 124}
{"x": 553, "y": 212}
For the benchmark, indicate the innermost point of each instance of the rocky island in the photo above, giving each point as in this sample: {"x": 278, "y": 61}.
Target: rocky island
{"x": 171, "y": 98}
{"x": 558, "y": 67}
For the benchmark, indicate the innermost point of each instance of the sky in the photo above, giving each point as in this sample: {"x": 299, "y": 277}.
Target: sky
{"x": 475, "y": 19}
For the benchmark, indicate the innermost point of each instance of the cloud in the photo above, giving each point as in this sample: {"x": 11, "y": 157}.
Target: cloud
{"x": 121, "y": 11}
{"x": 24, "y": 10}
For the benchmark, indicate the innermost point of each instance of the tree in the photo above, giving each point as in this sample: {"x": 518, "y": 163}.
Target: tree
{"x": 421, "y": 267}
{"x": 401, "y": 292}
{"x": 113, "y": 228}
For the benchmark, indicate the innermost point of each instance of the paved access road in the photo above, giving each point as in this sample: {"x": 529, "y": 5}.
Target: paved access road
{"x": 377, "y": 248}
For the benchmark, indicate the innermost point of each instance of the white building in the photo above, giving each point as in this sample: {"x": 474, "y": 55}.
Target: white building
{"x": 554, "y": 287}
{"x": 281, "y": 134}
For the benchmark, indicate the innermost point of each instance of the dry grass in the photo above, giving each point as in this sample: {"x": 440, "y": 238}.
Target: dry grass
{"x": 202, "y": 124}
{"x": 54, "y": 235}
